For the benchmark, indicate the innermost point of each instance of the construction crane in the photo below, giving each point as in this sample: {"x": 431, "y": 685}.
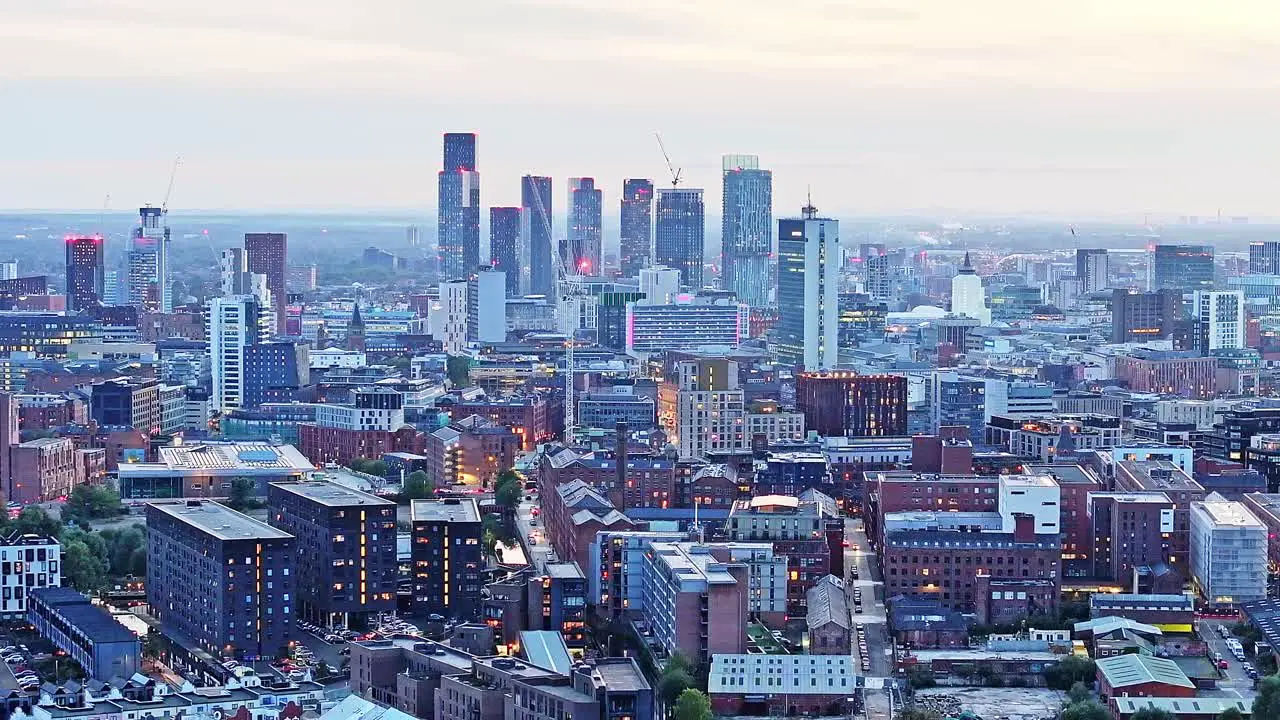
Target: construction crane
{"x": 675, "y": 171}
{"x": 173, "y": 173}
{"x": 570, "y": 291}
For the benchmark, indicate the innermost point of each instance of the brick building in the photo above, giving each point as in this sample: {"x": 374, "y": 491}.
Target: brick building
{"x": 696, "y": 603}
{"x": 1166, "y": 477}
{"x": 573, "y": 513}
{"x": 534, "y": 418}
{"x": 470, "y": 451}
{"x": 1130, "y": 529}
{"x": 1076, "y": 483}
{"x": 800, "y": 530}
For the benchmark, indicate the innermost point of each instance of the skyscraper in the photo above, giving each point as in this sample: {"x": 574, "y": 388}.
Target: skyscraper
{"x": 504, "y": 247}
{"x": 1219, "y": 321}
{"x": 148, "y": 283}
{"x": 808, "y": 290}
{"x": 585, "y": 236}
{"x": 233, "y": 323}
{"x": 1182, "y": 267}
{"x": 747, "y": 229}
{"x": 458, "y": 236}
{"x": 1264, "y": 257}
{"x": 1092, "y": 269}
{"x": 1139, "y": 317}
{"x": 84, "y": 272}
{"x": 968, "y": 299}
{"x": 535, "y": 227}
{"x": 636, "y": 225}
{"x": 268, "y": 254}
{"x": 680, "y": 233}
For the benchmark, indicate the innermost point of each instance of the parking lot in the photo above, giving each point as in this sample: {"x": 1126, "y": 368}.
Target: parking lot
{"x": 30, "y": 661}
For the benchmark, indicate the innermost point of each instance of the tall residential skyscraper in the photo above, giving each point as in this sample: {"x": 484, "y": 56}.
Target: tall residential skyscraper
{"x": 636, "y": 225}
{"x": 268, "y": 254}
{"x": 808, "y": 290}
{"x": 1182, "y": 267}
{"x": 504, "y": 247}
{"x": 585, "y": 219}
{"x": 85, "y": 269}
{"x": 1092, "y": 269}
{"x": 458, "y": 236}
{"x": 1219, "y": 321}
{"x": 1264, "y": 257}
{"x": 968, "y": 299}
{"x": 232, "y": 324}
{"x": 148, "y": 283}
{"x": 747, "y": 229}
{"x": 680, "y": 233}
{"x": 535, "y": 228}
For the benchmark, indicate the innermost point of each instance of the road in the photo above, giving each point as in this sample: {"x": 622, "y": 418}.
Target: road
{"x": 534, "y": 537}
{"x": 1236, "y": 683}
{"x": 871, "y": 584}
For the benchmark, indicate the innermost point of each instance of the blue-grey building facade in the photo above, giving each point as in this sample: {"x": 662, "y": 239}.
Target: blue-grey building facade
{"x": 86, "y": 632}
{"x": 679, "y": 238}
{"x": 636, "y": 225}
{"x": 747, "y": 229}
{"x": 458, "y": 238}
{"x": 535, "y": 201}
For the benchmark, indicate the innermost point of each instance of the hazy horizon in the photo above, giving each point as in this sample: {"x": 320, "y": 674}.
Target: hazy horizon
{"x": 993, "y": 108}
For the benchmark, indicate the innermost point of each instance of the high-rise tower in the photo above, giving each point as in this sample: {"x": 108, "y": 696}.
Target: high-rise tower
{"x": 268, "y": 254}
{"x": 636, "y": 222}
{"x": 680, "y": 233}
{"x": 808, "y": 290}
{"x": 148, "y": 281}
{"x": 505, "y": 245}
{"x": 967, "y": 296}
{"x": 85, "y": 269}
{"x": 458, "y": 236}
{"x": 747, "y": 229}
{"x": 535, "y": 199}
{"x": 585, "y": 237}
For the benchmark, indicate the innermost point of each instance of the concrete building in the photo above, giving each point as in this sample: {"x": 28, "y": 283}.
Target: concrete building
{"x": 808, "y": 288}
{"x": 968, "y": 298}
{"x": 27, "y": 563}
{"x": 696, "y": 603}
{"x": 206, "y": 470}
{"x": 660, "y": 285}
{"x": 809, "y": 534}
{"x": 449, "y": 319}
{"x": 1166, "y": 477}
{"x": 447, "y": 557}
{"x": 685, "y": 324}
{"x": 680, "y": 233}
{"x": 1144, "y": 316}
{"x": 747, "y": 229}
{"x": 487, "y": 307}
{"x": 1219, "y": 321}
{"x": 958, "y": 401}
{"x": 1168, "y": 372}
{"x": 1018, "y": 397}
{"x": 345, "y": 568}
{"x": 1228, "y": 551}
{"x": 85, "y": 632}
{"x": 781, "y": 685}
{"x": 220, "y": 580}
{"x": 234, "y": 323}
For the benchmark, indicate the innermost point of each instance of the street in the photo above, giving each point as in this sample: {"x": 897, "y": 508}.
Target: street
{"x": 534, "y": 536}
{"x": 1236, "y": 683}
{"x": 870, "y": 583}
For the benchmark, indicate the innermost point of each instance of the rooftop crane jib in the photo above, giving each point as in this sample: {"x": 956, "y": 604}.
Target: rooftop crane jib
{"x": 570, "y": 290}
{"x": 675, "y": 171}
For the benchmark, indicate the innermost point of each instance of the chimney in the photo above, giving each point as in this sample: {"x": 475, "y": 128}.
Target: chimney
{"x": 620, "y": 453}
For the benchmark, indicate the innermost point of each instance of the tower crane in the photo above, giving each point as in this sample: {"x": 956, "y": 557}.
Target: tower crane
{"x": 173, "y": 174}
{"x": 675, "y": 171}
{"x": 569, "y": 290}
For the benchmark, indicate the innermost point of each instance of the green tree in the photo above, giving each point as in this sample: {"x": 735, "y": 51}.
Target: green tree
{"x": 122, "y": 549}
{"x": 92, "y": 502}
{"x": 33, "y": 520}
{"x": 1153, "y": 714}
{"x": 1072, "y": 669}
{"x": 1230, "y": 714}
{"x": 692, "y": 705}
{"x": 241, "y": 496}
{"x": 375, "y": 467}
{"x": 1266, "y": 706}
{"x": 507, "y": 496}
{"x": 458, "y": 368}
{"x": 417, "y": 486}
{"x": 676, "y": 677}
{"x": 84, "y": 570}
{"x": 1087, "y": 710}
{"x": 358, "y": 464}
{"x": 1079, "y": 692}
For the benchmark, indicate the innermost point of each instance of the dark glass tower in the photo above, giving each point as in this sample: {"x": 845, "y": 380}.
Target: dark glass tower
{"x": 504, "y": 245}
{"x": 636, "y": 225}
{"x": 268, "y": 254}
{"x": 535, "y": 198}
{"x": 1182, "y": 267}
{"x": 680, "y": 233}
{"x": 458, "y": 236}
{"x": 85, "y": 272}
{"x": 1264, "y": 257}
{"x": 747, "y": 229}
{"x": 585, "y": 236}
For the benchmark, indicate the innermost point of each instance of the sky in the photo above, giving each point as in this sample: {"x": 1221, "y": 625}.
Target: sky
{"x": 1087, "y": 108}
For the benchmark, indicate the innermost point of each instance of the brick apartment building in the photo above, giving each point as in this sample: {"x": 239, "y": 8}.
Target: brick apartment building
{"x": 1130, "y": 530}
{"x": 573, "y": 513}
{"x": 801, "y": 530}
{"x": 1165, "y": 477}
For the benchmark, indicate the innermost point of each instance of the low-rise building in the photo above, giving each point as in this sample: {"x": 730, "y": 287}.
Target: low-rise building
{"x": 206, "y": 470}
{"x": 86, "y": 632}
{"x": 741, "y": 684}
{"x": 1170, "y": 613}
{"x": 827, "y": 621}
{"x": 1135, "y": 675}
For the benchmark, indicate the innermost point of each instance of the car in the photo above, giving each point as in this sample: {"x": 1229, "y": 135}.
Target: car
{"x": 854, "y": 573}
{"x": 857, "y": 608}
{"x": 298, "y": 675}
{"x": 535, "y": 512}
{"x": 8, "y": 649}
{"x": 845, "y": 543}
{"x": 1223, "y": 665}
{"x": 231, "y": 664}
{"x": 12, "y": 659}
{"x": 533, "y": 522}
{"x": 27, "y": 678}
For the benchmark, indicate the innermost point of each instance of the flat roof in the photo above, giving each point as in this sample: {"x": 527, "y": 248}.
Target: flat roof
{"x": 981, "y": 654}
{"x": 218, "y": 520}
{"x": 1133, "y": 601}
{"x": 620, "y": 674}
{"x": 224, "y": 459}
{"x": 1228, "y": 513}
{"x": 330, "y": 494}
{"x": 446, "y": 510}
{"x": 1183, "y": 706}
{"x": 751, "y": 674}
{"x": 1065, "y": 474}
{"x": 93, "y": 620}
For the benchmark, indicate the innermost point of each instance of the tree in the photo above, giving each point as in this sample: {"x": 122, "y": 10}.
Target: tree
{"x": 1087, "y": 710}
{"x": 358, "y": 464}
{"x": 1266, "y": 706}
{"x": 375, "y": 467}
{"x": 1153, "y": 714}
{"x": 241, "y": 497}
{"x": 458, "y": 368}
{"x": 692, "y": 705}
{"x": 91, "y": 502}
{"x": 417, "y": 486}
{"x": 1072, "y": 669}
{"x": 1079, "y": 692}
{"x": 1230, "y": 714}
{"x": 677, "y": 676}
{"x": 508, "y": 496}
{"x": 34, "y": 520}
{"x": 84, "y": 570}
{"x": 125, "y": 544}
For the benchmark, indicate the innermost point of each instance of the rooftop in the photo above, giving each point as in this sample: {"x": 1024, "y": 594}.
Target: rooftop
{"x": 620, "y": 674}
{"x": 1132, "y": 601}
{"x": 226, "y": 459}
{"x": 1064, "y": 474}
{"x": 827, "y": 603}
{"x": 217, "y": 520}
{"x": 1127, "y": 670}
{"x": 1182, "y": 707}
{"x": 777, "y": 674}
{"x": 546, "y": 649}
{"x": 447, "y": 510}
{"x": 92, "y": 620}
{"x": 1228, "y": 513}
{"x": 330, "y": 494}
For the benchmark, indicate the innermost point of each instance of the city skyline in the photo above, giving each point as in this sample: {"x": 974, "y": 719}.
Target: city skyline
{"x": 1096, "y": 110}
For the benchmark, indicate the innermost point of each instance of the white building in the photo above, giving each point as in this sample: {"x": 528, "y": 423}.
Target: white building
{"x": 659, "y": 284}
{"x": 28, "y": 562}
{"x": 968, "y": 298}
{"x": 373, "y": 409}
{"x": 233, "y": 323}
{"x": 1035, "y": 495}
{"x": 686, "y": 326}
{"x": 1220, "y": 321}
{"x": 808, "y": 291}
{"x": 1228, "y": 552}
{"x": 330, "y": 358}
{"x": 449, "y": 316}
{"x": 775, "y": 425}
{"x": 8, "y": 269}
{"x": 1185, "y": 412}
{"x": 487, "y": 307}
{"x": 1015, "y": 397}
{"x": 703, "y": 410}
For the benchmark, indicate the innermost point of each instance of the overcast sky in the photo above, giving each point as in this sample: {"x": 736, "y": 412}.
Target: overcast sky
{"x": 1087, "y": 107}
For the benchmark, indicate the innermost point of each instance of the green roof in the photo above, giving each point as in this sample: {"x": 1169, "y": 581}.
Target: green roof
{"x": 1182, "y": 706}
{"x": 1126, "y": 670}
